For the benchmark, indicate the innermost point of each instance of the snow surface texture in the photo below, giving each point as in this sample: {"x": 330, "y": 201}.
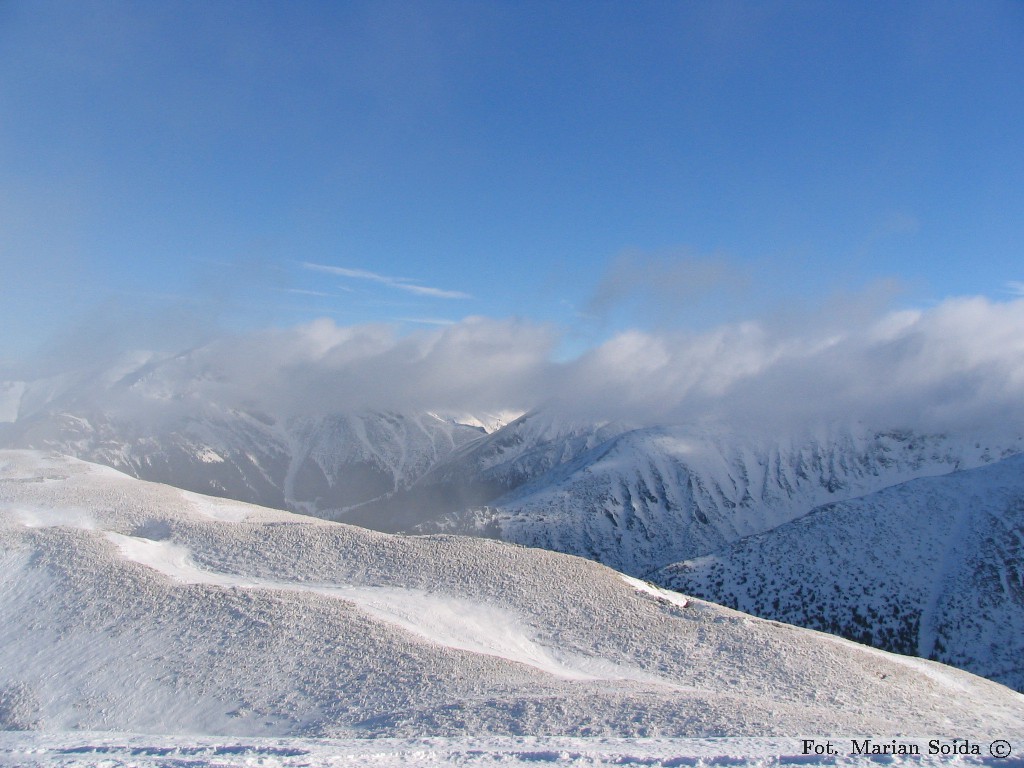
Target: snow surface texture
{"x": 932, "y": 567}
{"x": 105, "y": 750}
{"x": 134, "y": 607}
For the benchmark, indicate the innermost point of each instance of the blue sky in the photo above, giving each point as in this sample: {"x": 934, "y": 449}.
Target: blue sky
{"x": 593, "y": 166}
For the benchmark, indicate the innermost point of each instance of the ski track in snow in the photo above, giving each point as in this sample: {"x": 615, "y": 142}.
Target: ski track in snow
{"x": 437, "y": 618}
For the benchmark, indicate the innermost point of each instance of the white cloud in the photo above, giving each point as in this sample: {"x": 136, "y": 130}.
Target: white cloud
{"x": 401, "y": 283}
{"x": 437, "y": 293}
{"x": 360, "y": 274}
{"x": 958, "y": 366}
{"x": 322, "y": 366}
{"x": 1016, "y": 287}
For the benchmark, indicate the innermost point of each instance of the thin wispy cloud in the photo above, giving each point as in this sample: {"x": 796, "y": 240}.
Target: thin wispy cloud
{"x": 437, "y": 293}
{"x": 359, "y": 274}
{"x": 659, "y": 285}
{"x": 321, "y": 294}
{"x": 1016, "y": 287}
{"x": 426, "y": 320}
{"x": 401, "y": 283}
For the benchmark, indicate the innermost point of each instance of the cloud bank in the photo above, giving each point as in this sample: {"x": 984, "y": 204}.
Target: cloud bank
{"x": 958, "y": 366}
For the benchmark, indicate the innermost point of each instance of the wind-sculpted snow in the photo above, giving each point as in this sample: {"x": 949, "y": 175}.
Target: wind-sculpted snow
{"x": 452, "y": 622}
{"x": 933, "y": 567}
{"x": 130, "y": 606}
{"x": 636, "y": 499}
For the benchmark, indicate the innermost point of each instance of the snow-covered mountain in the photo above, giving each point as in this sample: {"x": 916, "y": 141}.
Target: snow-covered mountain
{"x": 636, "y": 499}
{"x": 449, "y": 496}
{"x": 640, "y": 499}
{"x": 131, "y": 606}
{"x": 173, "y": 421}
{"x": 933, "y": 567}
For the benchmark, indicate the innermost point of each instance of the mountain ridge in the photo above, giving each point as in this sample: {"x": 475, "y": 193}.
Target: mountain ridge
{"x": 133, "y": 606}
{"x": 932, "y": 567}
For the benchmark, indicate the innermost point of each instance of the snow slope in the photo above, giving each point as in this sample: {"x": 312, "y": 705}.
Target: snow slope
{"x": 449, "y": 495}
{"x": 107, "y": 750}
{"x": 641, "y": 499}
{"x": 636, "y": 499}
{"x": 130, "y": 606}
{"x": 932, "y": 567}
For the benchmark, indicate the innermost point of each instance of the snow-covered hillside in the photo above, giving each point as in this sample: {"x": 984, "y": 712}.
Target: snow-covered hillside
{"x": 640, "y": 499}
{"x": 451, "y": 494}
{"x": 932, "y": 567}
{"x": 138, "y": 607}
{"x": 636, "y": 499}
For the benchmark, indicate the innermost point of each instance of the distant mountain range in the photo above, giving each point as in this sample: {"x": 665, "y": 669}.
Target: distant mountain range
{"x": 160, "y": 421}
{"x": 640, "y": 499}
{"x": 649, "y": 501}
